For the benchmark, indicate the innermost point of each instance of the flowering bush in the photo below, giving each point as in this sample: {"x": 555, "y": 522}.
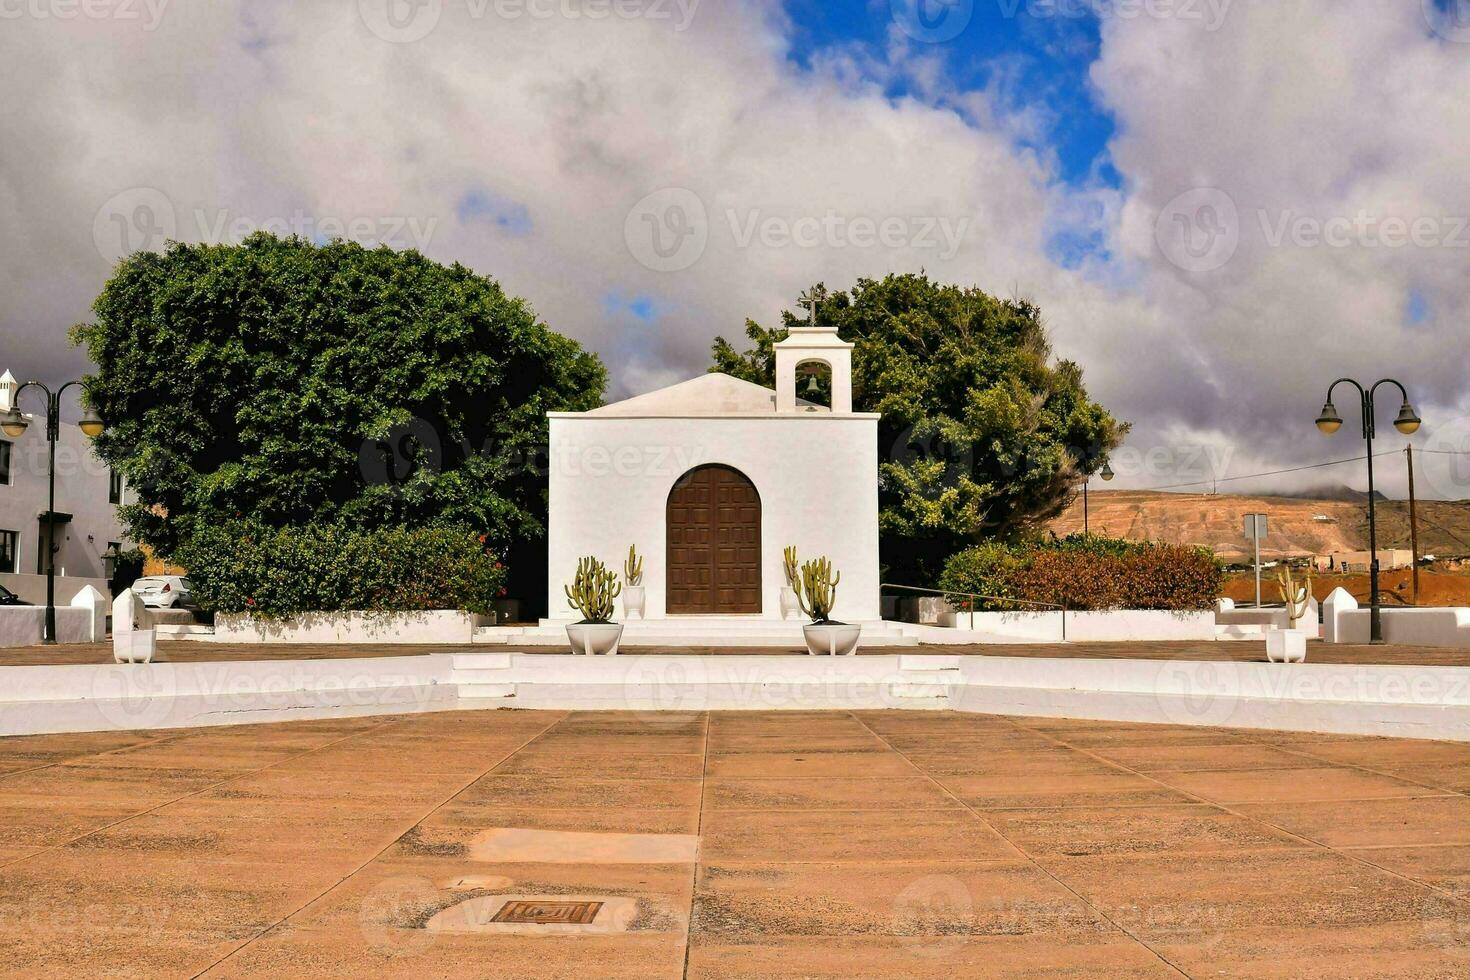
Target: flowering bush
{"x": 278, "y": 572}
{"x": 1085, "y": 573}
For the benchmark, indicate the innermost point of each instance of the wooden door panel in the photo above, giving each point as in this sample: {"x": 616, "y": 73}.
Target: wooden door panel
{"x": 714, "y": 531}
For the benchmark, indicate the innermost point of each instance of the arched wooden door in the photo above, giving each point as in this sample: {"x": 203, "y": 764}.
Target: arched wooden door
{"x": 714, "y": 543}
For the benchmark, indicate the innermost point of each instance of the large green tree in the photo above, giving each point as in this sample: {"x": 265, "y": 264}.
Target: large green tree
{"x": 289, "y": 383}
{"x": 984, "y": 435}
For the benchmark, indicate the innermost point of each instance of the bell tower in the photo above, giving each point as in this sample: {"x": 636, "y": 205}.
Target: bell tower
{"x": 821, "y": 345}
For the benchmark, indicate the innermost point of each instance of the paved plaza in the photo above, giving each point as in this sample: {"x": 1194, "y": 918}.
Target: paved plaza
{"x": 836, "y": 844}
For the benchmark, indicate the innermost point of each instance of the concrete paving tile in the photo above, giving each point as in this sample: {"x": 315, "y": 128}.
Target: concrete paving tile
{"x": 831, "y": 724}
{"x": 1292, "y": 785}
{"x": 500, "y": 791}
{"x": 1187, "y": 829}
{"x": 460, "y": 822}
{"x": 746, "y": 903}
{"x": 61, "y": 889}
{"x": 827, "y": 793}
{"x": 376, "y": 951}
{"x": 1454, "y": 777}
{"x": 1390, "y": 753}
{"x": 922, "y": 958}
{"x": 76, "y": 947}
{"x": 347, "y": 757}
{"x": 534, "y": 762}
{"x": 345, "y": 787}
{"x": 278, "y": 832}
{"x": 1193, "y": 899}
{"x": 873, "y": 764}
{"x": 557, "y": 741}
{"x": 32, "y": 822}
{"x": 1372, "y": 823}
{"x": 1169, "y": 758}
{"x": 922, "y": 722}
{"x": 17, "y": 750}
{"x": 401, "y": 890}
{"x": 1008, "y": 763}
{"x": 1102, "y": 738}
{"x": 146, "y": 787}
{"x": 856, "y": 836}
{"x": 1109, "y": 788}
{"x": 1430, "y": 947}
{"x": 726, "y": 744}
{"x": 1446, "y": 867}
{"x": 186, "y": 755}
{"x": 1006, "y": 742}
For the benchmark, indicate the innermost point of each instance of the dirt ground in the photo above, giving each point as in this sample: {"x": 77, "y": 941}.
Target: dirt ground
{"x": 732, "y": 845}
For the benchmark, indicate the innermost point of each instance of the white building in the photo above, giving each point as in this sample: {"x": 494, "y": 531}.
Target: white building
{"x": 711, "y": 479}
{"x": 87, "y": 494}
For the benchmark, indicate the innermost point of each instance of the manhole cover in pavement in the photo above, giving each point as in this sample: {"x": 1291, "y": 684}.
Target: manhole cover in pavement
{"x": 548, "y": 913}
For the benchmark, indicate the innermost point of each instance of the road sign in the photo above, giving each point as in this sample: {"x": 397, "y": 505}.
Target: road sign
{"x": 1256, "y": 527}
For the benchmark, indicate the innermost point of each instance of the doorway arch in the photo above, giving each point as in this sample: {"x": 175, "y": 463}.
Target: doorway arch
{"x": 714, "y": 543}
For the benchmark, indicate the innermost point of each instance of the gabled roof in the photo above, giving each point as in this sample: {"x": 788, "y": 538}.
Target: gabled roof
{"x": 708, "y": 394}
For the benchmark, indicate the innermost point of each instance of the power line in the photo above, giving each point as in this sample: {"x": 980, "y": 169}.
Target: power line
{"x": 1255, "y": 476}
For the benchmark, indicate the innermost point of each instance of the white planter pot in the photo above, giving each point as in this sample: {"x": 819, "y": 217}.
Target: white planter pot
{"x": 595, "y": 639}
{"x": 831, "y": 639}
{"x": 633, "y": 596}
{"x": 134, "y": 646}
{"x": 790, "y": 604}
{"x": 1286, "y": 646}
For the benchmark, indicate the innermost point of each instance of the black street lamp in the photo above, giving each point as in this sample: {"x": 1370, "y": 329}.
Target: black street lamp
{"x": 14, "y": 424}
{"x": 1107, "y": 474}
{"x": 1408, "y": 423}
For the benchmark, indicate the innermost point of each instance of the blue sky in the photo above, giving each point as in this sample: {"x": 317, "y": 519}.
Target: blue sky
{"x": 1023, "y": 58}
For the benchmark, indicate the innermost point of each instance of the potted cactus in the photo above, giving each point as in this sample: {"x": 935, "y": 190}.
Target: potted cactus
{"x": 790, "y": 602}
{"x": 592, "y": 593}
{"x": 633, "y": 576}
{"x": 817, "y": 596}
{"x": 1289, "y": 646}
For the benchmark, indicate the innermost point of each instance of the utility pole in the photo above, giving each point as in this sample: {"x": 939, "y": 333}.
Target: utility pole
{"x": 1413, "y": 522}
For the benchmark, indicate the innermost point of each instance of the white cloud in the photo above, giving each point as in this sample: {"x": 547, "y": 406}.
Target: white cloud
{"x": 238, "y": 114}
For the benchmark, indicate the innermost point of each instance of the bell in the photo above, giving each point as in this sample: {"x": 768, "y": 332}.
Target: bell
{"x": 812, "y": 387}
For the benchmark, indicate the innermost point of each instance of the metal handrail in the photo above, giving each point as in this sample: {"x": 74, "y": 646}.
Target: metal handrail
{"x": 974, "y": 595}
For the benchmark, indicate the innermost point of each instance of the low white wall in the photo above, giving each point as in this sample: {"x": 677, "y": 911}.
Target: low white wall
{"x": 1344, "y": 621}
{"x": 32, "y": 588}
{"x": 1139, "y": 624}
{"x": 1403, "y": 702}
{"x": 22, "y": 626}
{"x": 109, "y": 697}
{"x": 430, "y": 626}
{"x": 1415, "y": 702}
{"x": 1041, "y": 627}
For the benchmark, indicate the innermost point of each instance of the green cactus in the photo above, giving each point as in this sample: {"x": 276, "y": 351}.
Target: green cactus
{"x": 593, "y": 590}
{"x": 818, "y": 590}
{"x": 793, "y": 575}
{"x": 1296, "y": 597}
{"x": 633, "y": 567}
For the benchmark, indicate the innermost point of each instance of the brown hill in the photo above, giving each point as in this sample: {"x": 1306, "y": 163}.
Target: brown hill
{"x": 1297, "y": 526}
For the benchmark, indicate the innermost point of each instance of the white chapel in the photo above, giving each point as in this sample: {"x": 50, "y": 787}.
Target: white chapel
{"x": 712, "y": 478}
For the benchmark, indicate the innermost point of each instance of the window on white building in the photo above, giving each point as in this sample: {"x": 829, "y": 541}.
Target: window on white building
{"x": 114, "y": 487}
{"x": 9, "y": 541}
{"x": 4, "y": 463}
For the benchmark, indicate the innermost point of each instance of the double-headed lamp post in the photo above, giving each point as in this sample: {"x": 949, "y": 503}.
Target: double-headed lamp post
{"x": 14, "y": 424}
{"x": 1408, "y": 423}
{"x": 1107, "y": 474}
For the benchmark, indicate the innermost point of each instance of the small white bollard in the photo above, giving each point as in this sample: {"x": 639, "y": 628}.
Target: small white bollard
{"x": 1286, "y": 646}
{"x": 96, "y": 605}
{"x": 133, "y": 639}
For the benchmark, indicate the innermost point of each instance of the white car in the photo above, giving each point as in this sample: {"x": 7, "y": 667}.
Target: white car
{"x": 164, "y": 592}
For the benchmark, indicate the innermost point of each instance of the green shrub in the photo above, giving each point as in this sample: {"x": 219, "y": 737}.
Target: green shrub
{"x": 1085, "y": 573}
{"x": 279, "y": 572}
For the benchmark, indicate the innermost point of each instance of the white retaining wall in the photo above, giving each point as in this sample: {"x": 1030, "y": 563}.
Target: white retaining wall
{"x": 107, "y": 697}
{"x": 23, "y": 626}
{"x": 1344, "y": 621}
{"x": 430, "y": 626}
{"x": 1417, "y": 702}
